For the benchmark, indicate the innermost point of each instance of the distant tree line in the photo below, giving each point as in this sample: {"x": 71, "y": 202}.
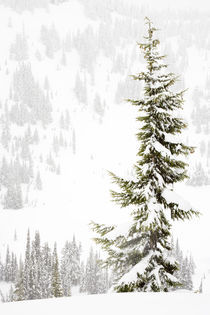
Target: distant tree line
{"x": 43, "y": 274}
{"x": 186, "y": 266}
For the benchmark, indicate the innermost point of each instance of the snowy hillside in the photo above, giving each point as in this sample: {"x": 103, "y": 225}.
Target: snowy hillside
{"x": 64, "y": 76}
{"x": 176, "y": 303}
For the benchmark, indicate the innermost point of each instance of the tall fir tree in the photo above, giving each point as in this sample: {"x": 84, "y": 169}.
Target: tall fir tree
{"x": 139, "y": 254}
{"x": 66, "y": 267}
{"x": 90, "y": 274}
{"x": 27, "y": 268}
{"x": 19, "y": 292}
{"x": 94, "y": 278}
{"x": 186, "y": 275}
{"x": 46, "y": 271}
{"x": 7, "y": 268}
{"x": 56, "y": 288}
{"x": 70, "y": 266}
{"x": 36, "y": 264}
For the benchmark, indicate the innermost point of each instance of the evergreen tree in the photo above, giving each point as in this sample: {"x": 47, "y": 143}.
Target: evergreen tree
{"x": 186, "y": 275}
{"x": 82, "y": 278}
{"x": 13, "y": 197}
{"x": 186, "y": 267}
{"x": 19, "y": 292}
{"x": 56, "y": 288}
{"x": 14, "y": 268}
{"x": 192, "y": 265}
{"x": 7, "y": 268}
{"x": 98, "y": 106}
{"x": 11, "y": 295}
{"x": 1, "y": 270}
{"x": 38, "y": 181}
{"x": 94, "y": 279}
{"x": 36, "y": 266}
{"x": 70, "y": 266}
{"x": 99, "y": 275}
{"x": 15, "y": 236}
{"x": 201, "y": 287}
{"x": 66, "y": 269}
{"x": 19, "y": 49}
{"x": 139, "y": 255}
{"x": 46, "y": 271}
{"x": 90, "y": 283}
{"x": 27, "y": 268}
{"x": 75, "y": 269}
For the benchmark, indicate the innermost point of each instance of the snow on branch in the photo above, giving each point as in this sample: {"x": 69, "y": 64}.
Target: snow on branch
{"x": 172, "y": 197}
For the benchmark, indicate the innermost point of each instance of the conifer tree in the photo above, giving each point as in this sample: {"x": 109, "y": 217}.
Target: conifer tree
{"x": 1, "y": 270}
{"x": 19, "y": 292}
{"x": 46, "y": 271}
{"x": 186, "y": 275}
{"x": 7, "y": 269}
{"x": 33, "y": 275}
{"x": 11, "y": 295}
{"x": 83, "y": 278}
{"x": 27, "y": 268}
{"x": 56, "y": 281}
{"x": 75, "y": 262}
{"x": 90, "y": 276}
{"x": 70, "y": 266}
{"x": 139, "y": 254}
{"x": 66, "y": 267}
{"x": 36, "y": 265}
{"x": 38, "y": 181}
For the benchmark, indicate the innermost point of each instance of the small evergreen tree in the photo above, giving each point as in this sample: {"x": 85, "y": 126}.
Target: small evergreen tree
{"x": 186, "y": 275}
{"x": 11, "y": 295}
{"x": 94, "y": 278}
{"x": 139, "y": 255}
{"x": 27, "y": 276}
{"x": 38, "y": 181}
{"x": 7, "y": 268}
{"x": 90, "y": 276}
{"x": 66, "y": 269}
{"x": 56, "y": 288}
{"x": 15, "y": 236}
{"x": 70, "y": 266}
{"x": 192, "y": 265}
{"x": 19, "y": 292}
{"x": 13, "y": 197}
{"x": 46, "y": 271}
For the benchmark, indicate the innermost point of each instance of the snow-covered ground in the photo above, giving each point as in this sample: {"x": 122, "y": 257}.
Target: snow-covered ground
{"x": 124, "y": 303}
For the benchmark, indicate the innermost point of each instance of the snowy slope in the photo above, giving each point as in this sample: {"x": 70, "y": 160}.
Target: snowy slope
{"x": 141, "y": 303}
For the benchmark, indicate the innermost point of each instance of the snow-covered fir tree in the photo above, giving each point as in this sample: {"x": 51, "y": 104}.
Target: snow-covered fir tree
{"x": 94, "y": 279}
{"x": 27, "y": 268}
{"x": 70, "y": 266}
{"x": 19, "y": 292}
{"x": 46, "y": 271}
{"x": 36, "y": 266}
{"x": 38, "y": 181}
{"x": 7, "y": 268}
{"x": 186, "y": 266}
{"x": 56, "y": 288}
{"x": 90, "y": 280}
{"x": 39, "y": 275}
{"x": 186, "y": 275}
{"x": 139, "y": 254}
